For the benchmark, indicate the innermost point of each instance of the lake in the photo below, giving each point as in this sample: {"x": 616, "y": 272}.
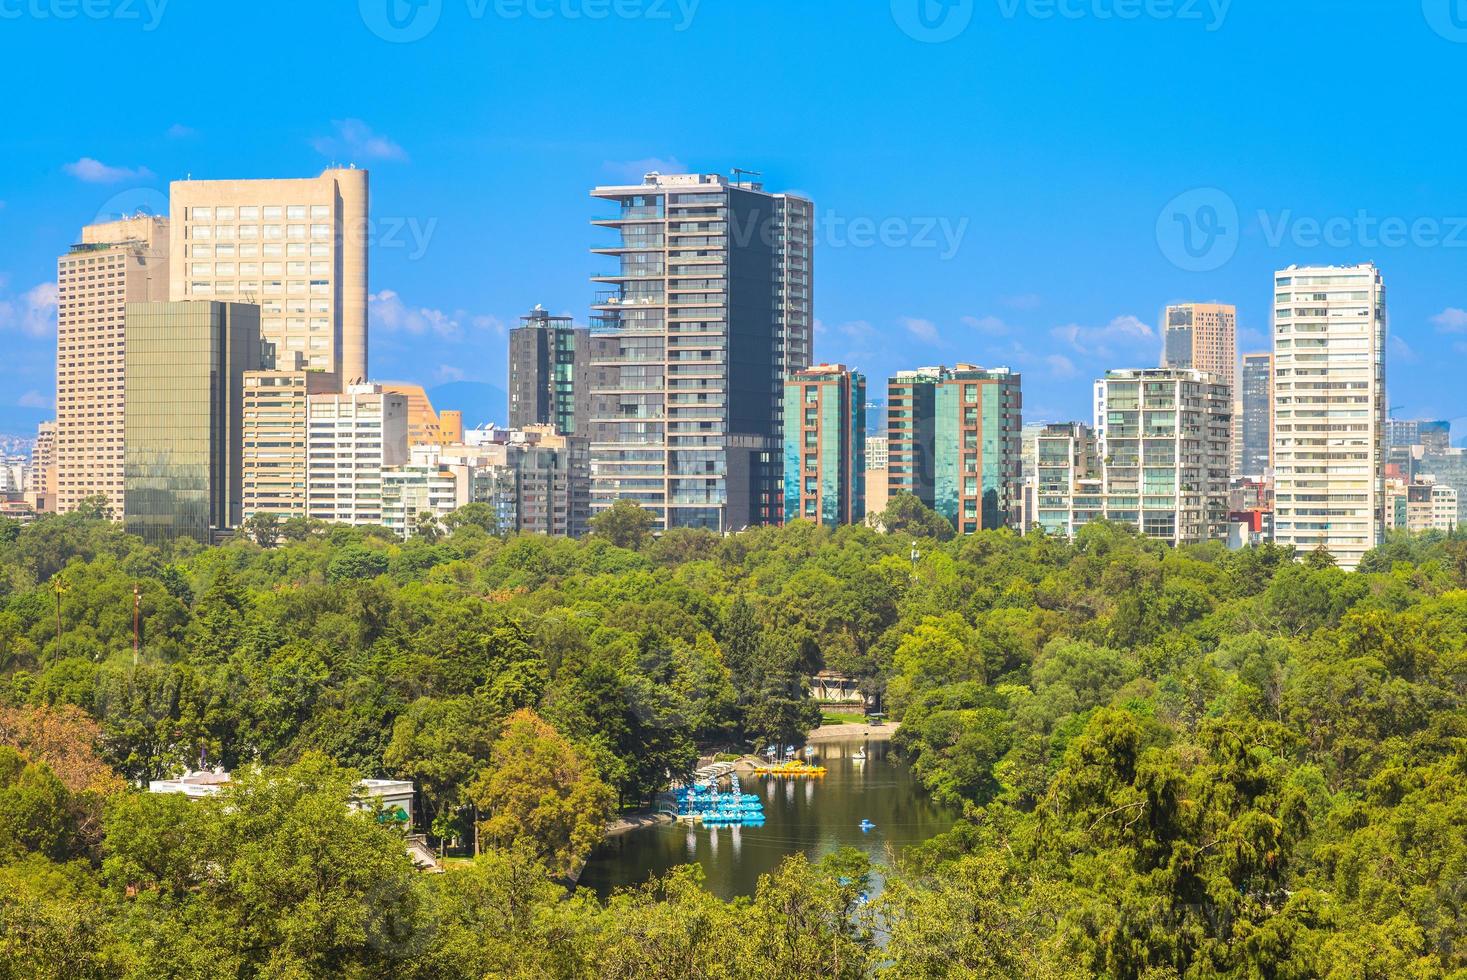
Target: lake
{"x": 813, "y": 816}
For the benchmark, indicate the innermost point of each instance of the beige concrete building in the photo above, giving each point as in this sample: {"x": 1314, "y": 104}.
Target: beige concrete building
{"x": 1202, "y": 337}
{"x": 298, "y": 248}
{"x": 877, "y": 494}
{"x": 115, "y": 263}
{"x": 424, "y": 428}
{"x": 274, "y": 459}
{"x": 1329, "y": 410}
{"x": 42, "y": 489}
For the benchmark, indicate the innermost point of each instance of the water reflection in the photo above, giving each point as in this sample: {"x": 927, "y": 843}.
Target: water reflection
{"x": 813, "y": 816}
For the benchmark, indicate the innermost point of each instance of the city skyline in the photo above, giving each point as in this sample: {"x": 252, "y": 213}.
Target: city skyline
{"x": 973, "y": 232}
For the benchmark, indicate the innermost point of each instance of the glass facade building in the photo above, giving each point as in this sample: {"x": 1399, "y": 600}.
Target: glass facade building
{"x": 955, "y": 442}
{"x": 549, "y": 373}
{"x": 977, "y": 448}
{"x": 825, "y": 446}
{"x": 911, "y": 404}
{"x": 186, "y": 362}
{"x": 708, "y": 310}
{"x": 1256, "y": 429}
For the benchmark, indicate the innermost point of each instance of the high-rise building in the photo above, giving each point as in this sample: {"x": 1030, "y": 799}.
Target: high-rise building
{"x": 116, "y": 263}
{"x": 1066, "y": 488}
{"x": 1329, "y": 409}
{"x": 707, "y": 312}
{"x": 424, "y": 427}
{"x": 298, "y": 248}
{"x": 422, "y": 487}
{"x": 977, "y": 447}
{"x": 43, "y": 469}
{"x": 1419, "y": 506}
{"x": 911, "y": 417}
{"x": 451, "y": 426}
{"x": 1165, "y": 456}
{"x": 353, "y": 436}
{"x": 275, "y": 431}
{"x": 1435, "y": 436}
{"x": 184, "y": 392}
{"x": 1444, "y": 467}
{"x": 825, "y": 445}
{"x": 549, "y": 373}
{"x": 1255, "y": 402}
{"x": 1202, "y": 337}
{"x": 536, "y": 479}
{"x": 876, "y": 471}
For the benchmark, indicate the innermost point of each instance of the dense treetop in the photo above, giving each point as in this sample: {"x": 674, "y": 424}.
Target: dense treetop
{"x": 1171, "y": 762}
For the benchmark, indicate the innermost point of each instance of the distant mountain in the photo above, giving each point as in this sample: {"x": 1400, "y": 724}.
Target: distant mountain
{"x": 479, "y": 402}
{"x": 22, "y": 422}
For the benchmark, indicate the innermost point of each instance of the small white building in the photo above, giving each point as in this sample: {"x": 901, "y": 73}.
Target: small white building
{"x": 395, "y": 795}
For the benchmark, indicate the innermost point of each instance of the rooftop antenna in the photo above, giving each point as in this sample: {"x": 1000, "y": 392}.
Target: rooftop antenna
{"x": 740, "y": 173}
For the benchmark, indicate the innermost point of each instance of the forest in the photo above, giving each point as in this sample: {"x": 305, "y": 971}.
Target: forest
{"x": 1169, "y": 762}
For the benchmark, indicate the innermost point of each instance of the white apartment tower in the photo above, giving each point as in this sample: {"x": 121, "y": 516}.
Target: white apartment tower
{"x": 351, "y": 438}
{"x": 1329, "y": 409}
{"x": 115, "y": 263}
{"x": 705, "y": 310}
{"x": 298, "y": 248}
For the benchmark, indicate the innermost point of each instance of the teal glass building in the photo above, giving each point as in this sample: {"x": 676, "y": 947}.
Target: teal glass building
{"x": 977, "y": 448}
{"x": 825, "y": 446}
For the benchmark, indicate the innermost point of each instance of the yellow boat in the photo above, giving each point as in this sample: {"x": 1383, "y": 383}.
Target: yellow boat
{"x": 791, "y": 768}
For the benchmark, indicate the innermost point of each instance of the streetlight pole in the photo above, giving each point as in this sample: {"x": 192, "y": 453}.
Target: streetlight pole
{"x": 137, "y": 603}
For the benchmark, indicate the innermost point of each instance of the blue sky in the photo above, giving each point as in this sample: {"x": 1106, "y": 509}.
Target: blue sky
{"x": 998, "y": 181}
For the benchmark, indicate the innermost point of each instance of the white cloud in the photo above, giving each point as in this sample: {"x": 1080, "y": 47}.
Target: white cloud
{"x": 990, "y": 325}
{"x": 33, "y": 314}
{"x": 635, "y": 170}
{"x": 387, "y": 311}
{"x": 447, "y": 372}
{"x": 923, "y": 330}
{"x": 1060, "y": 366}
{"x": 178, "y": 131}
{"x": 33, "y": 399}
{"x": 1402, "y": 350}
{"x": 1125, "y": 335}
{"x": 492, "y": 323}
{"x": 96, "y": 172}
{"x": 354, "y": 140}
{"x": 1451, "y": 320}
